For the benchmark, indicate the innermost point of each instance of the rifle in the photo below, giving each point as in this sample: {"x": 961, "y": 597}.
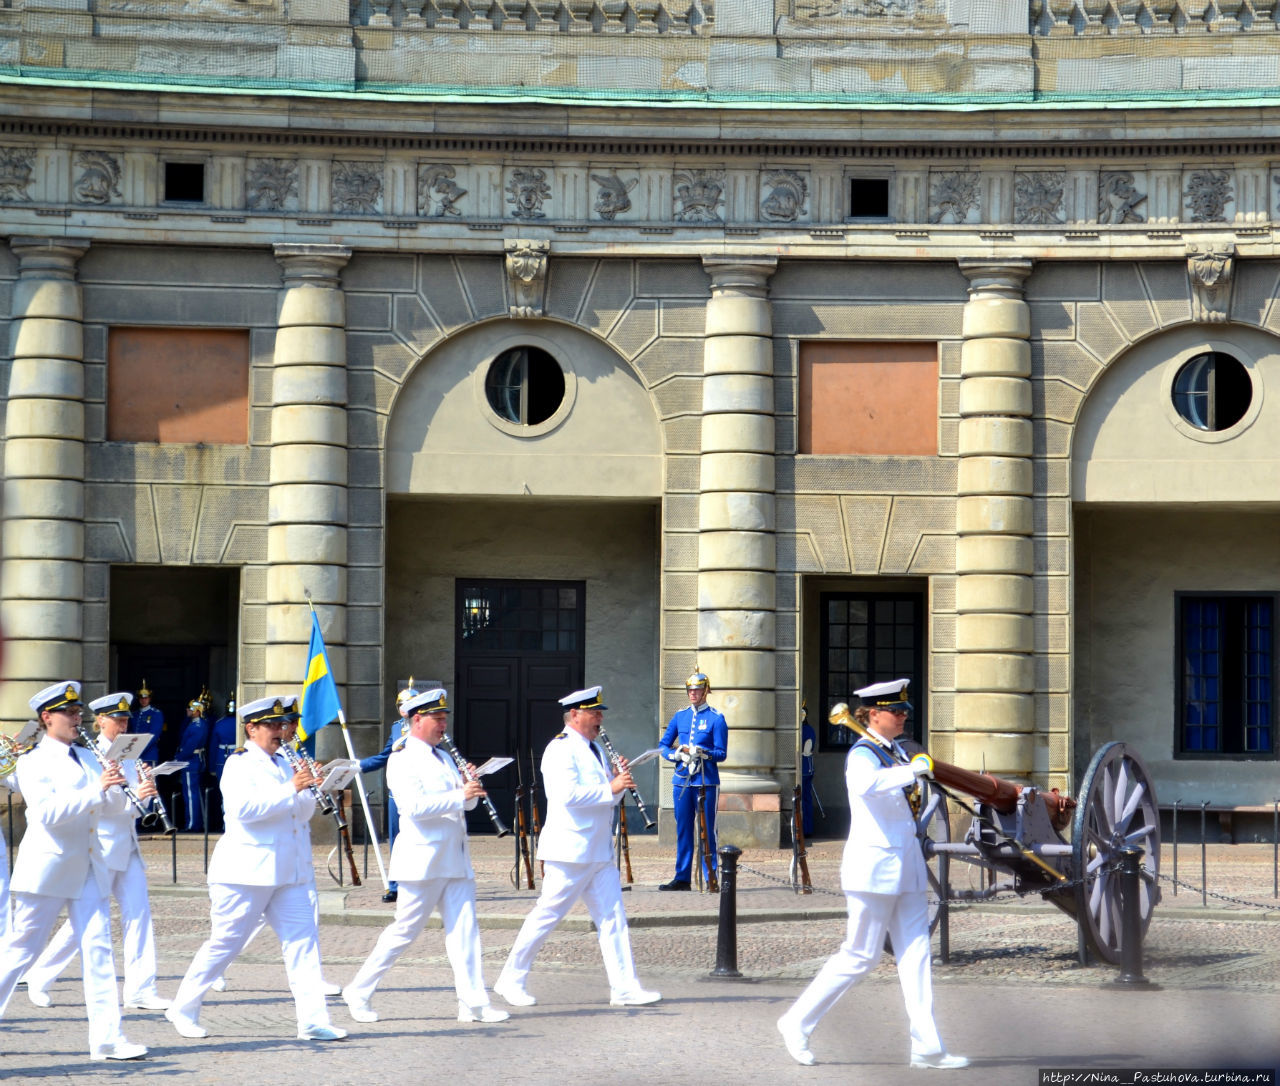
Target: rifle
{"x": 799, "y": 858}
{"x": 708, "y": 860}
{"x": 522, "y": 836}
{"x": 624, "y": 843}
{"x": 346, "y": 840}
{"x": 533, "y": 807}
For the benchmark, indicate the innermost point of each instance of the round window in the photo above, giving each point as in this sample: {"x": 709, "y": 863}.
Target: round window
{"x": 1212, "y": 391}
{"x": 524, "y": 385}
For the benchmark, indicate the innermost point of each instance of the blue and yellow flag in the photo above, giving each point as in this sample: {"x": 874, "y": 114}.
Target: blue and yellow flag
{"x": 319, "y": 701}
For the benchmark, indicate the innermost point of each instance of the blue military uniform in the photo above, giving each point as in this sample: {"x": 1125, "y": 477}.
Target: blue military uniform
{"x": 808, "y": 744}
{"x": 398, "y": 730}
{"x": 193, "y": 749}
{"x": 222, "y": 744}
{"x": 703, "y": 727}
{"x": 148, "y": 720}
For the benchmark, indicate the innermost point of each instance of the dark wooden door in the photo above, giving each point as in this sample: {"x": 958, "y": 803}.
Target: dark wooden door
{"x": 174, "y": 674}
{"x": 519, "y": 650}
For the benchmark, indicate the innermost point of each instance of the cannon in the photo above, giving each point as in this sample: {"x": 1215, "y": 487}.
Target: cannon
{"x": 1016, "y": 829}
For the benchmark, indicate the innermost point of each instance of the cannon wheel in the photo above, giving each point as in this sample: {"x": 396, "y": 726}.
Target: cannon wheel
{"x": 1117, "y": 807}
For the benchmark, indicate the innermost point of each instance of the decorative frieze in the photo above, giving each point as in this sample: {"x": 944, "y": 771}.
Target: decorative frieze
{"x": 613, "y": 194}
{"x": 16, "y": 167}
{"x": 699, "y": 195}
{"x": 784, "y": 196}
{"x": 527, "y": 190}
{"x": 1119, "y": 200}
{"x": 438, "y": 191}
{"x": 1037, "y": 198}
{"x": 99, "y": 178}
{"x": 271, "y": 184}
{"x": 955, "y": 197}
{"x": 356, "y": 187}
{"x": 1207, "y": 194}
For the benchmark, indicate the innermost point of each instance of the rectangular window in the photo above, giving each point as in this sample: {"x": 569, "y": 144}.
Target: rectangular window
{"x": 868, "y": 399}
{"x": 178, "y": 385}
{"x": 870, "y": 637}
{"x": 1227, "y": 658}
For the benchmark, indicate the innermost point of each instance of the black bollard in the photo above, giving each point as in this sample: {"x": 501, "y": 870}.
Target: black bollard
{"x": 1130, "y": 875}
{"x": 727, "y": 933}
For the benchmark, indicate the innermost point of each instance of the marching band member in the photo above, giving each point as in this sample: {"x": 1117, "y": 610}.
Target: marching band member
{"x": 61, "y": 864}
{"x": 577, "y": 847}
{"x": 431, "y": 863}
{"x": 397, "y": 731}
{"x": 885, "y": 882}
{"x": 119, "y": 837}
{"x": 695, "y": 740}
{"x": 261, "y": 867}
{"x": 10, "y": 781}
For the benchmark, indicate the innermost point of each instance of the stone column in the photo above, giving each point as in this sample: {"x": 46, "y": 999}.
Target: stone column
{"x": 43, "y": 578}
{"x": 307, "y": 510}
{"x": 737, "y": 559}
{"x": 995, "y": 673}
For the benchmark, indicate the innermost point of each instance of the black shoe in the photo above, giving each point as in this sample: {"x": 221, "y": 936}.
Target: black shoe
{"x": 390, "y": 897}
{"x": 676, "y": 884}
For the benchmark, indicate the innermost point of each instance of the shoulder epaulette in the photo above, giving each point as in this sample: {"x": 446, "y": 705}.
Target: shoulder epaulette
{"x": 238, "y": 750}
{"x": 562, "y": 735}
{"x": 398, "y": 745}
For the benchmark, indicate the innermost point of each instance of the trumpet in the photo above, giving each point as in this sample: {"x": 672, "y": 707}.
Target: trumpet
{"x": 616, "y": 759}
{"x": 12, "y": 747}
{"x": 145, "y": 814}
{"x": 299, "y": 759}
{"x": 158, "y": 809}
{"x": 465, "y": 770}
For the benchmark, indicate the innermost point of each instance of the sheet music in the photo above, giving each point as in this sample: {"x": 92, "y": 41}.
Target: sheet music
{"x": 640, "y": 759}
{"x": 492, "y": 766}
{"x": 165, "y": 768}
{"x": 127, "y": 746}
{"x": 338, "y": 774}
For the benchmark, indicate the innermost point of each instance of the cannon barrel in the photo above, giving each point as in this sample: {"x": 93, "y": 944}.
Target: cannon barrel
{"x": 995, "y": 792}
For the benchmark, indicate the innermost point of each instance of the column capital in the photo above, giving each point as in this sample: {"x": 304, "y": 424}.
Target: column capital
{"x": 739, "y": 274}
{"x": 992, "y": 276}
{"x": 48, "y": 258}
{"x": 311, "y": 265}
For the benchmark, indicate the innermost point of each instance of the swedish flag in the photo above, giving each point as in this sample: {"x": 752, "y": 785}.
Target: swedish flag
{"x": 319, "y": 701}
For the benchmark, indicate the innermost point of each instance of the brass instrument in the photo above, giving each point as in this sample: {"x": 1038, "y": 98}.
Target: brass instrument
{"x": 13, "y": 747}
{"x": 158, "y": 809}
{"x": 145, "y": 814}
{"x": 616, "y": 759}
{"x": 299, "y": 759}
{"x": 467, "y": 775}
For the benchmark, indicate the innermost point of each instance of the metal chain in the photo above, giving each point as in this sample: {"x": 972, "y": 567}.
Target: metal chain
{"x": 1221, "y": 897}
{"x": 1068, "y": 885}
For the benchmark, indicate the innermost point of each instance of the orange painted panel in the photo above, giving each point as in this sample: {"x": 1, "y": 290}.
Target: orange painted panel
{"x": 868, "y": 399}
{"x": 178, "y": 385}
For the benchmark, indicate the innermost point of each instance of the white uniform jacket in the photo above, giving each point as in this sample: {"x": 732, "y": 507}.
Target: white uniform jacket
{"x": 267, "y": 840}
{"x": 579, "y": 826}
{"x": 65, "y": 803}
{"x": 882, "y": 855}
{"x": 427, "y": 788}
{"x": 118, "y": 831}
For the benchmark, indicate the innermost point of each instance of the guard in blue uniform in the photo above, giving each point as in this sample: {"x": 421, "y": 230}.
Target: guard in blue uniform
{"x": 148, "y": 720}
{"x": 696, "y": 739}
{"x": 193, "y": 749}
{"x": 222, "y": 744}
{"x": 808, "y": 744}
{"x": 397, "y": 730}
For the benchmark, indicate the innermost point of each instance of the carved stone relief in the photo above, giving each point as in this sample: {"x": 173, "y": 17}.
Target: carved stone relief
{"x": 527, "y": 191}
{"x": 357, "y": 187}
{"x": 612, "y": 196}
{"x": 99, "y": 178}
{"x": 526, "y": 267}
{"x": 952, "y": 196}
{"x": 1119, "y": 199}
{"x": 272, "y": 184}
{"x": 1207, "y": 194}
{"x": 784, "y": 196}
{"x": 1209, "y": 268}
{"x": 699, "y": 195}
{"x": 1037, "y": 198}
{"x": 16, "y": 166}
{"x": 438, "y": 192}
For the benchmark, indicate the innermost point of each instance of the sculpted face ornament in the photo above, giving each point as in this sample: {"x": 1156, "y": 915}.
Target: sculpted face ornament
{"x": 612, "y": 199}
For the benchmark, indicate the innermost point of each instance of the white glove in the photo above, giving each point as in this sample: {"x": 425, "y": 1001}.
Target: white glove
{"x": 922, "y": 765}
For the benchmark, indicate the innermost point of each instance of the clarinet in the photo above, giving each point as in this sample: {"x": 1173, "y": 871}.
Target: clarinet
{"x": 603, "y": 736}
{"x": 158, "y": 809}
{"x": 147, "y": 816}
{"x": 298, "y": 760}
{"x": 461, "y": 763}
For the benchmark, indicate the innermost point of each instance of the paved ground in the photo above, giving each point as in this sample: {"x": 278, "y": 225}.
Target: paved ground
{"x": 1012, "y": 996}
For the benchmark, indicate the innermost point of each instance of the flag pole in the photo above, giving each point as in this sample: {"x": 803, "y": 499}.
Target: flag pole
{"x": 359, "y": 779}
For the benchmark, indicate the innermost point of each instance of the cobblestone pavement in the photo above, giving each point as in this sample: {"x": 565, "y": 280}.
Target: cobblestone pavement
{"x": 1012, "y": 995}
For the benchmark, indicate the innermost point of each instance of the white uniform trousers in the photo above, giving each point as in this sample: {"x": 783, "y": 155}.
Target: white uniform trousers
{"x": 129, "y": 888}
{"x": 906, "y": 918}
{"x": 33, "y": 918}
{"x": 6, "y": 909}
{"x": 600, "y": 889}
{"x": 456, "y": 899}
{"x": 234, "y": 912}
